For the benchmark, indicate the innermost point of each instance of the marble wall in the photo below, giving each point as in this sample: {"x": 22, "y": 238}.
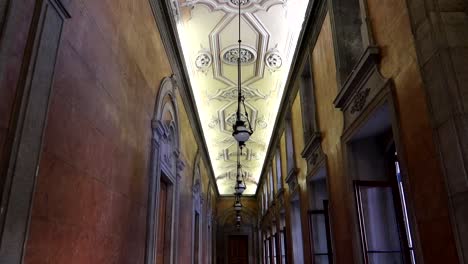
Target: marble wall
{"x": 90, "y": 201}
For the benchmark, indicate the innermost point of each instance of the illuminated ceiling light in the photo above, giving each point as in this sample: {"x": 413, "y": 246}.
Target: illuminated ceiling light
{"x": 240, "y": 187}
{"x": 237, "y": 204}
{"x": 238, "y": 219}
{"x": 241, "y": 132}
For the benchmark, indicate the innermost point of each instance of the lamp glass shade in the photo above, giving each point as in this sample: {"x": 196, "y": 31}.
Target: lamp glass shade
{"x": 241, "y": 133}
{"x": 240, "y": 187}
{"x": 237, "y": 206}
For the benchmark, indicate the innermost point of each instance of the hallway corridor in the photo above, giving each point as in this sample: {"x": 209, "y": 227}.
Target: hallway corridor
{"x": 233, "y": 132}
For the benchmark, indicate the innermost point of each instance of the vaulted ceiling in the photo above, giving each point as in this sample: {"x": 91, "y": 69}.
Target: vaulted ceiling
{"x": 208, "y": 33}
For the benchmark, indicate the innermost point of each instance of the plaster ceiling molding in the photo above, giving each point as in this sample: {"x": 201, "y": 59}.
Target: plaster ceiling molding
{"x": 229, "y": 178}
{"x": 261, "y": 123}
{"x": 231, "y": 6}
{"x": 213, "y": 123}
{"x": 230, "y": 175}
{"x": 229, "y": 155}
{"x": 203, "y": 61}
{"x": 224, "y": 30}
{"x": 289, "y": 47}
{"x": 273, "y": 59}
{"x": 230, "y": 94}
{"x": 230, "y": 55}
{"x": 226, "y": 113}
{"x": 269, "y": 34}
{"x": 175, "y": 7}
{"x": 246, "y": 155}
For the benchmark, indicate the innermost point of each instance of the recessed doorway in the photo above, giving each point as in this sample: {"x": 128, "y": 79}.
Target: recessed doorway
{"x": 238, "y": 249}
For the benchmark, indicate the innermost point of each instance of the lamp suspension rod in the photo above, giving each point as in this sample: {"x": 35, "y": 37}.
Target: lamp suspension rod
{"x": 238, "y": 163}
{"x": 239, "y": 94}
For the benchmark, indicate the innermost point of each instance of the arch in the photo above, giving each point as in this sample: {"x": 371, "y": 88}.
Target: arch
{"x": 197, "y": 188}
{"x": 226, "y": 223}
{"x": 165, "y": 168}
{"x": 246, "y": 214}
{"x": 197, "y": 216}
{"x": 166, "y": 103}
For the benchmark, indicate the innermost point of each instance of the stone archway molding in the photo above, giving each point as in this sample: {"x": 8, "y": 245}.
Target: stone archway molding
{"x": 166, "y": 166}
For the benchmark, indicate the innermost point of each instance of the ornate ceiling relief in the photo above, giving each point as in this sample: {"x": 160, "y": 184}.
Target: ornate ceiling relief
{"x": 269, "y": 33}
{"x": 230, "y": 94}
{"x": 231, "y": 6}
{"x": 203, "y": 61}
{"x": 273, "y": 60}
{"x": 231, "y": 54}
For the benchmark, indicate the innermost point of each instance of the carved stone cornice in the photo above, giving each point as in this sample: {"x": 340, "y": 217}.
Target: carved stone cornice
{"x": 279, "y": 198}
{"x": 311, "y": 145}
{"x": 369, "y": 59}
{"x": 313, "y": 153}
{"x": 292, "y": 180}
{"x": 359, "y": 100}
{"x": 362, "y": 88}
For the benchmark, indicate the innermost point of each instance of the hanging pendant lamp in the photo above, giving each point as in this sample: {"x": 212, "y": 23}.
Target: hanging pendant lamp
{"x": 241, "y": 131}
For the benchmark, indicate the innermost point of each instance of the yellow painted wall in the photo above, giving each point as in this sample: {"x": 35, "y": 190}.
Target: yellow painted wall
{"x": 330, "y": 122}
{"x": 426, "y": 190}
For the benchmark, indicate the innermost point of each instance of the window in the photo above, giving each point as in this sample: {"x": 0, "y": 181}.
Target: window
{"x": 306, "y": 91}
{"x": 283, "y": 245}
{"x": 349, "y": 32}
{"x": 296, "y": 231}
{"x": 383, "y": 217}
{"x": 319, "y": 224}
{"x": 273, "y": 248}
{"x": 380, "y": 236}
{"x": 272, "y": 189}
{"x": 320, "y": 234}
{"x": 196, "y": 241}
{"x": 386, "y": 235}
{"x": 279, "y": 180}
{"x": 401, "y": 192}
{"x": 260, "y": 204}
{"x": 197, "y": 196}
{"x": 291, "y": 163}
{"x": 282, "y": 237}
{"x": 162, "y": 230}
{"x": 267, "y": 246}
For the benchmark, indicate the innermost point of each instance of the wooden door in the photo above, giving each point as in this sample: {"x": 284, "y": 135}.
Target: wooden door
{"x": 238, "y": 250}
{"x": 161, "y": 240}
